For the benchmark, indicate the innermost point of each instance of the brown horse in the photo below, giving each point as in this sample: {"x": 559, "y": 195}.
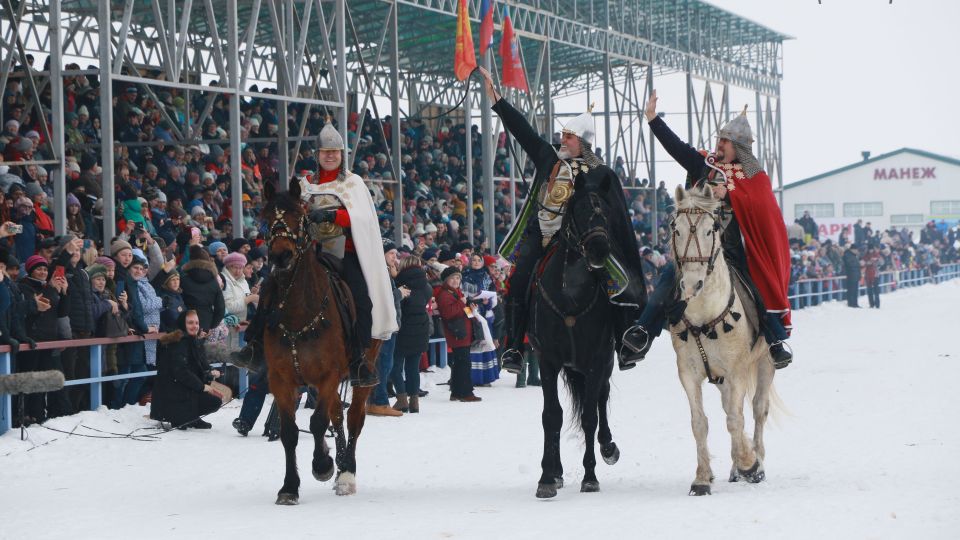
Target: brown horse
{"x": 306, "y": 345}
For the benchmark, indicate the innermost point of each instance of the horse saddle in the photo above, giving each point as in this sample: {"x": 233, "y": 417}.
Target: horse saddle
{"x": 752, "y": 303}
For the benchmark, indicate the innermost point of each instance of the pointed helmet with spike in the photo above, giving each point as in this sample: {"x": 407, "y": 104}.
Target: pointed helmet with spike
{"x": 329, "y": 138}
{"x": 738, "y": 130}
{"x": 582, "y": 126}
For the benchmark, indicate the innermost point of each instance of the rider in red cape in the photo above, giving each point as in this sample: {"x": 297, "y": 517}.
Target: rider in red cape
{"x": 765, "y": 239}
{"x": 754, "y": 239}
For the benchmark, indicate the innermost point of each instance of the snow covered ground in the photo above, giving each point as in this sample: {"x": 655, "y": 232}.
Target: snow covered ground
{"x": 869, "y": 448}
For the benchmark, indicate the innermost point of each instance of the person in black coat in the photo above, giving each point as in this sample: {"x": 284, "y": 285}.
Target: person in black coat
{"x": 181, "y": 390}
{"x": 201, "y": 290}
{"x": 76, "y": 360}
{"x": 414, "y": 331}
{"x": 46, "y": 303}
{"x": 528, "y": 248}
{"x": 851, "y": 267}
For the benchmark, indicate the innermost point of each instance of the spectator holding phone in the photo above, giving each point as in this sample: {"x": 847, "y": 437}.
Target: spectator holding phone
{"x": 167, "y": 285}
{"x": 45, "y": 304}
{"x": 131, "y": 357}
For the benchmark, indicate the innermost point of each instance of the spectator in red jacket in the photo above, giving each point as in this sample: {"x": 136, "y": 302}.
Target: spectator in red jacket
{"x": 458, "y": 330}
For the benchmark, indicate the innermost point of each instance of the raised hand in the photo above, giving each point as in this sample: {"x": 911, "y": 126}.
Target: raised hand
{"x": 488, "y": 86}
{"x": 650, "y": 111}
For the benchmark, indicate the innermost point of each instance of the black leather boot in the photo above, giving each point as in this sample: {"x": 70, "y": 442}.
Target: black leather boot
{"x": 251, "y": 355}
{"x": 781, "y": 356}
{"x": 634, "y": 344}
{"x": 512, "y": 358}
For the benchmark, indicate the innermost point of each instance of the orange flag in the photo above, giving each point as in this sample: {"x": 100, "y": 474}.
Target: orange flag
{"x": 465, "y": 60}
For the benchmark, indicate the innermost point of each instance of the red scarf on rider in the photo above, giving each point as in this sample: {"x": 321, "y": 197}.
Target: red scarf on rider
{"x": 765, "y": 239}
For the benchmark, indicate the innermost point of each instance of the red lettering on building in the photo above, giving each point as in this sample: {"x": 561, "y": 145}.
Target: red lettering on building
{"x": 905, "y": 173}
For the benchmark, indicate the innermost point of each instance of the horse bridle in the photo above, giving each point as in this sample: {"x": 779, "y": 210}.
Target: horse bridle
{"x": 577, "y": 240}
{"x": 715, "y": 249}
{"x": 280, "y": 229}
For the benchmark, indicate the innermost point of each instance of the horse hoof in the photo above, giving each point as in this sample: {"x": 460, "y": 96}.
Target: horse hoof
{"x": 753, "y": 475}
{"x": 346, "y": 484}
{"x": 323, "y": 476}
{"x": 287, "y": 499}
{"x": 546, "y": 491}
{"x": 610, "y": 453}
{"x": 697, "y": 490}
{"x": 589, "y": 486}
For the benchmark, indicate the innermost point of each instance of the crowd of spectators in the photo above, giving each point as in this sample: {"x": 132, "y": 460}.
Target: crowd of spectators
{"x": 887, "y": 250}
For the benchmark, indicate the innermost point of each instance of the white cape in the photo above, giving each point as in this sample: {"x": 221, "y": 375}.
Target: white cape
{"x": 365, "y": 233}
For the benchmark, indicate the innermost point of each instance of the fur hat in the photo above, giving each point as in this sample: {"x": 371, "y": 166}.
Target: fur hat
{"x": 234, "y": 258}
{"x": 119, "y": 245}
{"x": 449, "y": 271}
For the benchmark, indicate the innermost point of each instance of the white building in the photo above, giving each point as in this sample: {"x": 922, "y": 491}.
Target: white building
{"x": 904, "y": 188}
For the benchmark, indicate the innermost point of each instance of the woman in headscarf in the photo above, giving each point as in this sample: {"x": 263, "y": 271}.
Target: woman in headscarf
{"x": 181, "y": 392}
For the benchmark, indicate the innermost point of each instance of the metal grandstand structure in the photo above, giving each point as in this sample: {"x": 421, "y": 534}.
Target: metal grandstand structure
{"x": 339, "y": 55}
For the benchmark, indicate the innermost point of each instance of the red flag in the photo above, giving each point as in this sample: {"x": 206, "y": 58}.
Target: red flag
{"x": 465, "y": 59}
{"x": 486, "y": 25}
{"x": 513, "y": 74}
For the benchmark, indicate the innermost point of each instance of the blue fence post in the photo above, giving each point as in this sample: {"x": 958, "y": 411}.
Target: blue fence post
{"x": 96, "y": 371}
{"x": 6, "y": 407}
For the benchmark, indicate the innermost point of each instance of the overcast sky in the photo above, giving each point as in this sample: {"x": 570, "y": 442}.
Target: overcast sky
{"x": 858, "y": 75}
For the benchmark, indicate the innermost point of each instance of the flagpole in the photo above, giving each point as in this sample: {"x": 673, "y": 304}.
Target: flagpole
{"x": 468, "y": 122}
{"x": 486, "y": 140}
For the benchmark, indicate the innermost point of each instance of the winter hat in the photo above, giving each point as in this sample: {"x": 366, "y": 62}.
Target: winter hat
{"x": 197, "y": 253}
{"x": 95, "y": 270}
{"x": 449, "y": 271}
{"x": 214, "y": 246}
{"x": 119, "y": 245}
{"x": 430, "y": 253}
{"x": 33, "y": 189}
{"x": 82, "y": 111}
{"x": 106, "y": 262}
{"x": 65, "y": 239}
{"x": 138, "y": 254}
{"x": 171, "y": 275}
{"x": 257, "y": 253}
{"x": 72, "y": 200}
{"x": 445, "y": 255}
{"x": 388, "y": 245}
{"x": 35, "y": 261}
{"x": 234, "y": 258}
{"x": 24, "y": 201}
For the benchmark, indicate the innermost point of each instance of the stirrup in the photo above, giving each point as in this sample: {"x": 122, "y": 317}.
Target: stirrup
{"x": 782, "y": 356}
{"x": 630, "y": 353}
{"x": 512, "y": 361}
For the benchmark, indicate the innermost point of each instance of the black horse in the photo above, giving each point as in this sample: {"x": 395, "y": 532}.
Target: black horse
{"x": 571, "y": 332}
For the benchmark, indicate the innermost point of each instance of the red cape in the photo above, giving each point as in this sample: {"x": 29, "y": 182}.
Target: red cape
{"x": 765, "y": 240}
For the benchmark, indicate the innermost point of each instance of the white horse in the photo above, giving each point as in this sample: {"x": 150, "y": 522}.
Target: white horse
{"x": 714, "y": 341}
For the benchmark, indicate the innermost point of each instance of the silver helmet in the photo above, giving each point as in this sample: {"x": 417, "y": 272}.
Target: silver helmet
{"x": 582, "y": 126}
{"x": 329, "y": 138}
{"x": 738, "y": 130}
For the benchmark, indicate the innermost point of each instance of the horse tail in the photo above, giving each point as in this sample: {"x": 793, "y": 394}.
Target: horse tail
{"x": 577, "y": 385}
